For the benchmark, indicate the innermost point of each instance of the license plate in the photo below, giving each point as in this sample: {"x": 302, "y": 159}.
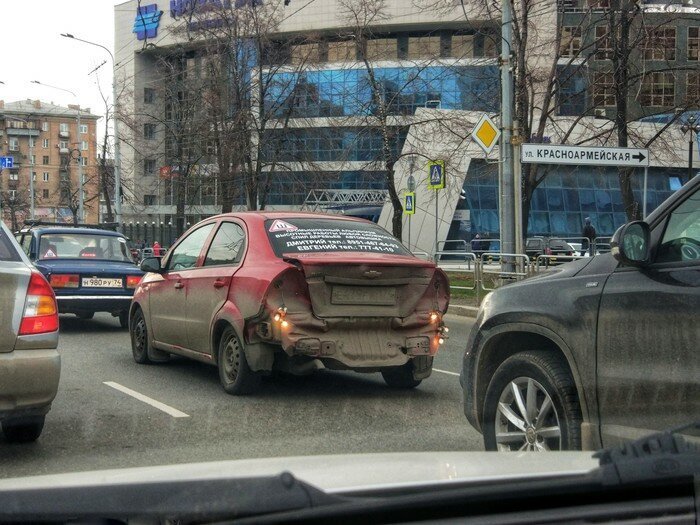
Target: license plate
{"x": 101, "y": 282}
{"x": 369, "y": 295}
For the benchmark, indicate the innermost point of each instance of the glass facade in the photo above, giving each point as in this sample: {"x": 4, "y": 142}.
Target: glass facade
{"x": 292, "y": 187}
{"x": 563, "y": 200}
{"x": 347, "y": 92}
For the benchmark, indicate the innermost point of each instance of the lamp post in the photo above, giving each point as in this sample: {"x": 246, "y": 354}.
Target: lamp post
{"x": 81, "y": 199}
{"x": 117, "y": 156}
{"x": 691, "y": 127}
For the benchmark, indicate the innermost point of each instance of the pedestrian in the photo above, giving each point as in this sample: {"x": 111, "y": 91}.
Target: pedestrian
{"x": 590, "y": 234}
{"x": 156, "y": 249}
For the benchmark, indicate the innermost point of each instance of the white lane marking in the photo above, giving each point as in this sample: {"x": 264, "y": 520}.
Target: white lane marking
{"x": 149, "y": 401}
{"x": 445, "y": 372}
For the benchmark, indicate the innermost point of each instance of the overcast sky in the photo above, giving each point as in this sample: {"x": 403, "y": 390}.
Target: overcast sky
{"x": 32, "y": 49}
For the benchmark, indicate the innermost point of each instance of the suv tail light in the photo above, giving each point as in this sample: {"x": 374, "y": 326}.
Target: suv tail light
{"x": 132, "y": 281}
{"x": 40, "y": 310}
{"x": 65, "y": 280}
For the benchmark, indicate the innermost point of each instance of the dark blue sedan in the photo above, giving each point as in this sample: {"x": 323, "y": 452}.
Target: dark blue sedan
{"x": 91, "y": 270}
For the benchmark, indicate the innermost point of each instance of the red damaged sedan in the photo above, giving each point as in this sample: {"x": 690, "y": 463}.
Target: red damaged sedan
{"x": 254, "y": 292}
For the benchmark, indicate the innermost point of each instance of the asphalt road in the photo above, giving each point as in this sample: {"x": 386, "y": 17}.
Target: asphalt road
{"x": 93, "y": 425}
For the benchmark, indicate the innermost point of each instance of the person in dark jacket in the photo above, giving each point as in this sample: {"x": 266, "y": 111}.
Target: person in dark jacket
{"x": 590, "y": 234}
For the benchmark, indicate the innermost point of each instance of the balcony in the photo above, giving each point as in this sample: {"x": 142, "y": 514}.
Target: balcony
{"x": 64, "y": 134}
{"x": 64, "y": 151}
{"x": 22, "y": 132}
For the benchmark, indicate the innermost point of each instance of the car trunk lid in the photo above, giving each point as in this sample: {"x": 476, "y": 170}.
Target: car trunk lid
{"x": 364, "y": 284}
{"x": 14, "y": 280}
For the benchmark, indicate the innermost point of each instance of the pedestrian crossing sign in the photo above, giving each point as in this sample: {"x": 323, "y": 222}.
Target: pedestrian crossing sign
{"x": 436, "y": 175}
{"x": 409, "y": 207}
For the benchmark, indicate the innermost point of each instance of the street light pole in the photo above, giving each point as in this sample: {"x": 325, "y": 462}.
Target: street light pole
{"x": 507, "y": 226}
{"x": 81, "y": 182}
{"x": 691, "y": 127}
{"x": 117, "y": 155}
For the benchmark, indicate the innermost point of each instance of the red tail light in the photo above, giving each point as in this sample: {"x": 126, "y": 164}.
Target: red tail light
{"x": 132, "y": 281}
{"x": 40, "y": 310}
{"x": 65, "y": 280}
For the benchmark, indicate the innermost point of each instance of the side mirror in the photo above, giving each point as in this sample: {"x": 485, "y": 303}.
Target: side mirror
{"x": 151, "y": 264}
{"x": 630, "y": 244}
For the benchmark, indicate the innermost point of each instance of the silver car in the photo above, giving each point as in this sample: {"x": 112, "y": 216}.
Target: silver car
{"x": 29, "y": 362}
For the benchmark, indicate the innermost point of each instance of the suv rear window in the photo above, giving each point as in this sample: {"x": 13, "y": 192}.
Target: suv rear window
{"x": 305, "y": 235}
{"x": 8, "y": 250}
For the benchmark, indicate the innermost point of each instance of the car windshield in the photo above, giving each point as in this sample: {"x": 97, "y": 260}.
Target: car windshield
{"x": 83, "y": 246}
{"x": 301, "y": 235}
{"x": 392, "y": 229}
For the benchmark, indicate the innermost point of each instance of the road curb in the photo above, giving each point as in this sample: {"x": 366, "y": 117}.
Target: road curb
{"x": 464, "y": 311}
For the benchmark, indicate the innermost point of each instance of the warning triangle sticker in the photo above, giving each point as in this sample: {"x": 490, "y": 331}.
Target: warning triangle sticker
{"x": 281, "y": 226}
{"x": 50, "y": 253}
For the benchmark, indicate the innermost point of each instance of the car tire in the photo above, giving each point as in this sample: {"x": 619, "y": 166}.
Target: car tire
{"x": 124, "y": 318}
{"x": 400, "y": 376}
{"x": 540, "y": 382}
{"x": 24, "y": 430}
{"x": 235, "y": 375}
{"x": 138, "y": 331}
{"x": 85, "y": 315}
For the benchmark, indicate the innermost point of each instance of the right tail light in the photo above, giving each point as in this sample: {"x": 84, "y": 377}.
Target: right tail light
{"x": 40, "y": 309}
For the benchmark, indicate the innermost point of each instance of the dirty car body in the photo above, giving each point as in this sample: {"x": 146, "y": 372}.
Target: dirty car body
{"x": 292, "y": 291}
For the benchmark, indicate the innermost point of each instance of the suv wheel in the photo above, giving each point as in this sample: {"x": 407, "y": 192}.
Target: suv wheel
{"x": 23, "y": 430}
{"x": 531, "y": 404}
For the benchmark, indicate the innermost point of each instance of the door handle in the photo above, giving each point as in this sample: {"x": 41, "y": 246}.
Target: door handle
{"x": 219, "y": 283}
{"x": 179, "y": 285}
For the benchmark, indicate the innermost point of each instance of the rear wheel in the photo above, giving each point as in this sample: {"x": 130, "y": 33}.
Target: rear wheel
{"x": 531, "y": 404}
{"x": 23, "y": 430}
{"x": 235, "y": 375}
{"x": 124, "y": 319}
{"x": 139, "y": 338}
{"x": 85, "y": 315}
{"x": 400, "y": 376}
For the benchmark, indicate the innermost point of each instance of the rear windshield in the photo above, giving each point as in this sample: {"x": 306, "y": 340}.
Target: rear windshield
{"x": 83, "y": 246}
{"x": 8, "y": 251}
{"x": 292, "y": 236}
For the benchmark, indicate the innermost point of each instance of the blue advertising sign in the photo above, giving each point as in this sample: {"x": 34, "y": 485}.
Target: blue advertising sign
{"x": 7, "y": 162}
{"x": 147, "y": 21}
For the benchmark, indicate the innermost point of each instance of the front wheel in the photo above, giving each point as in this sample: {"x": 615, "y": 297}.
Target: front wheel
{"x": 400, "y": 376}
{"x": 235, "y": 375}
{"x": 25, "y": 430}
{"x": 139, "y": 338}
{"x": 531, "y": 404}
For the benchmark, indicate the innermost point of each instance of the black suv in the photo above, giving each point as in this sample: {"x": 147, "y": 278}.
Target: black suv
{"x": 612, "y": 354}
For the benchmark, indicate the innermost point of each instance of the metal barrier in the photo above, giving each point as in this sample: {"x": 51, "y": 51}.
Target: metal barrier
{"x": 548, "y": 259}
{"x": 463, "y": 257}
{"x": 459, "y": 242}
{"x": 521, "y": 262}
{"x": 471, "y": 269}
{"x": 602, "y": 244}
{"x": 426, "y": 255}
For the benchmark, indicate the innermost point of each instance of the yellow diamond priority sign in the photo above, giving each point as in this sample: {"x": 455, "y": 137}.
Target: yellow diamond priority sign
{"x": 486, "y": 134}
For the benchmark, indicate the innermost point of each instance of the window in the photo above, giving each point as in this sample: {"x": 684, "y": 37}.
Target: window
{"x": 12, "y": 194}
{"x": 382, "y": 49}
{"x": 45, "y": 127}
{"x": 32, "y": 142}
{"x": 46, "y": 176}
{"x": 227, "y": 245}
{"x": 570, "y": 41}
{"x": 46, "y": 143}
{"x": 306, "y": 53}
{"x": 423, "y": 47}
{"x": 45, "y": 159}
{"x": 83, "y": 161}
{"x": 694, "y": 43}
{"x": 599, "y": 4}
{"x": 463, "y": 46}
{"x": 32, "y": 159}
{"x": 149, "y": 95}
{"x": 658, "y": 90}
{"x": 63, "y": 144}
{"x": 693, "y": 91}
{"x": 83, "y": 128}
{"x": 149, "y": 166}
{"x": 603, "y": 44}
{"x": 45, "y": 193}
{"x": 14, "y": 175}
{"x": 681, "y": 241}
{"x": 34, "y": 176}
{"x": 149, "y": 131}
{"x": 149, "y": 200}
{"x": 186, "y": 254}
{"x": 603, "y": 90}
{"x": 342, "y": 51}
{"x": 63, "y": 127}
{"x": 83, "y": 145}
{"x": 660, "y": 44}
{"x": 14, "y": 144}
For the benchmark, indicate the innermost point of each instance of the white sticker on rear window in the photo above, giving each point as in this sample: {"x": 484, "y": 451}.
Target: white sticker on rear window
{"x": 281, "y": 226}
